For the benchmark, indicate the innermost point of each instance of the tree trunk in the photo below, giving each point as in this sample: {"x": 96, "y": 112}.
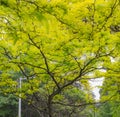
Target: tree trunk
{"x": 49, "y": 106}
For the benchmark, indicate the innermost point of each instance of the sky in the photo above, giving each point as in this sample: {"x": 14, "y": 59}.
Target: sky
{"x": 95, "y": 83}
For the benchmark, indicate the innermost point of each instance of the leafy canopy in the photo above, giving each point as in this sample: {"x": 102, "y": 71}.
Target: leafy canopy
{"x": 54, "y": 43}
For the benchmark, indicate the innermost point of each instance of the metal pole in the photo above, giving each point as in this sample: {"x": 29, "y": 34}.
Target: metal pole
{"x": 20, "y": 100}
{"x": 19, "y": 104}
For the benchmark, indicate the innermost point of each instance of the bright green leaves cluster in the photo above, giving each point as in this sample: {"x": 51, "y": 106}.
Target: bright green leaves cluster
{"x": 7, "y": 85}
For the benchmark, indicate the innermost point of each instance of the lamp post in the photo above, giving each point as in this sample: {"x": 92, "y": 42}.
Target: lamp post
{"x": 20, "y": 100}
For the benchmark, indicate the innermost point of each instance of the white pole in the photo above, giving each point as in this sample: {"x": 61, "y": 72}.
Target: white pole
{"x": 19, "y": 104}
{"x": 20, "y": 100}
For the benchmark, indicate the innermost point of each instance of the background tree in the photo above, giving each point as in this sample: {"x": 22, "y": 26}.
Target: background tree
{"x": 8, "y": 104}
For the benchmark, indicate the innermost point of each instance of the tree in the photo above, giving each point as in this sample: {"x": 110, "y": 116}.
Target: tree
{"x": 8, "y": 104}
{"x": 55, "y": 44}
{"x": 110, "y": 91}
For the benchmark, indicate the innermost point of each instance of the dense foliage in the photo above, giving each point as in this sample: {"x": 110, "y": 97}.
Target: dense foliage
{"x": 58, "y": 45}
